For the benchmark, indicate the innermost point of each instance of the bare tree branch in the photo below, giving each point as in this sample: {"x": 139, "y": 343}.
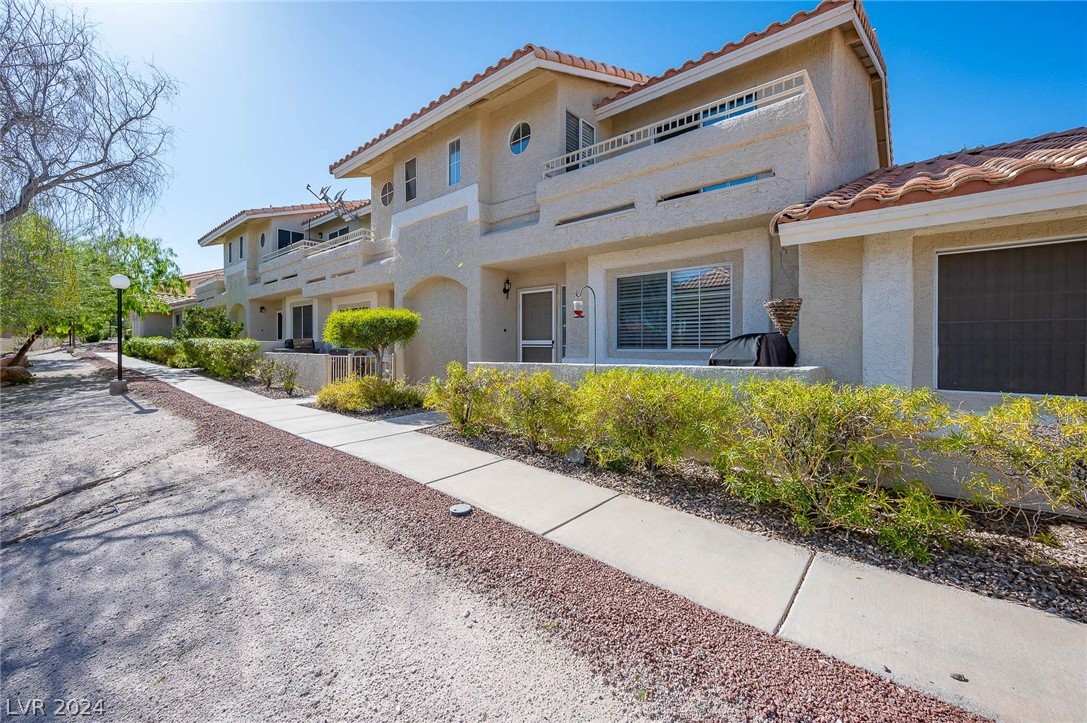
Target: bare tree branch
{"x": 79, "y": 137}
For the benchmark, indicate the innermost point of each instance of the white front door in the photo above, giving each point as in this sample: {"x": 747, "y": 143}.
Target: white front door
{"x": 536, "y": 322}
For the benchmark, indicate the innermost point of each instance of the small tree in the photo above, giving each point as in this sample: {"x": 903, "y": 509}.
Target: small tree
{"x": 376, "y": 330}
{"x": 201, "y": 323}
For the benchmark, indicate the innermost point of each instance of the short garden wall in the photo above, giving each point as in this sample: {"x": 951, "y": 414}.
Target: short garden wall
{"x": 572, "y": 373}
{"x": 311, "y": 367}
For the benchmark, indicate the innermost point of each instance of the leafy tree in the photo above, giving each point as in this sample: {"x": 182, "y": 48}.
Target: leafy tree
{"x": 49, "y": 284}
{"x": 376, "y": 330}
{"x": 37, "y": 268}
{"x": 201, "y": 323}
{"x": 79, "y": 132}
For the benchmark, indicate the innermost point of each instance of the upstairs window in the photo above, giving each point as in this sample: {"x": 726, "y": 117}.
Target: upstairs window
{"x": 337, "y": 233}
{"x": 454, "y": 162}
{"x": 241, "y": 247}
{"x": 387, "y": 194}
{"x": 286, "y": 238}
{"x": 579, "y": 134}
{"x": 520, "y": 137}
{"x": 411, "y": 181}
{"x": 230, "y": 252}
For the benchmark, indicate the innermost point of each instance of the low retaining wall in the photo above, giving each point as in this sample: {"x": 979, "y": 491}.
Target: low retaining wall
{"x": 572, "y": 373}
{"x": 311, "y": 367}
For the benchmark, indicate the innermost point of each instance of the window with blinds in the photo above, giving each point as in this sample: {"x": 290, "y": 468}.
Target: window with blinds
{"x": 688, "y": 309}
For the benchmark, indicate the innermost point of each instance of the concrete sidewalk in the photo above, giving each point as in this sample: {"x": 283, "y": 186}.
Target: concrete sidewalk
{"x": 1020, "y": 664}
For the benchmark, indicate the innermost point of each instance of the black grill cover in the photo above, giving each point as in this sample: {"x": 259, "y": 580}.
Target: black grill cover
{"x": 755, "y": 350}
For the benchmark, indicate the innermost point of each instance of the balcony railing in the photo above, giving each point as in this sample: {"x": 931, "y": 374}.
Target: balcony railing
{"x": 728, "y": 107}
{"x": 296, "y": 246}
{"x": 359, "y": 235}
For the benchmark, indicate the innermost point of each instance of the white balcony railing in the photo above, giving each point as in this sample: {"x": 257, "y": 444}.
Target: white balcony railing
{"x": 296, "y": 246}
{"x": 728, "y": 107}
{"x": 342, "y": 366}
{"x": 359, "y": 235}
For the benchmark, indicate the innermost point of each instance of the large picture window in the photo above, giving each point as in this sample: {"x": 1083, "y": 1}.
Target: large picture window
{"x": 302, "y": 321}
{"x": 687, "y": 309}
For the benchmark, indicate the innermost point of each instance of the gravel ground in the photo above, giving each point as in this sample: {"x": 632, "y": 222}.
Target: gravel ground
{"x": 178, "y": 588}
{"x": 997, "y": 559}
{"x": 680, "y": 660}
{"x": 254, "y": 385}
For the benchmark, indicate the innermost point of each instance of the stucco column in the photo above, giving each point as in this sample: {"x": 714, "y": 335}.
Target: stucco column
{"x": 831, "y": 316}
{"x": 756, "y": 288}
{"x": 577, "y": 330}
{"x": 887, "y": 302}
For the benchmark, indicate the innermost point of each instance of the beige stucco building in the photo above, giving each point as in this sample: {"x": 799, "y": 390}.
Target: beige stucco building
{"x": 495, "y": 205}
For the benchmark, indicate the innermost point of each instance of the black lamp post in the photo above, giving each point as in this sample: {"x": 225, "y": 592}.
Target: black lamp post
{"x": 119, "y": 282}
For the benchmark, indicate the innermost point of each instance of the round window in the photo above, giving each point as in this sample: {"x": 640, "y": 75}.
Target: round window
{"x": 387, "y": 194}
{"x": 520, "y": 137}
{"x": 262, "y": 240}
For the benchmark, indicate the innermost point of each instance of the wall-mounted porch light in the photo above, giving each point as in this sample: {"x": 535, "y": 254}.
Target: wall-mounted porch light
{"x": 506, "y": 288}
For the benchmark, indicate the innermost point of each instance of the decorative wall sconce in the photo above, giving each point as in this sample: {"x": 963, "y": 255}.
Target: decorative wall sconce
{"x": 262, "y": 309}
{"x": 506, "y": 288}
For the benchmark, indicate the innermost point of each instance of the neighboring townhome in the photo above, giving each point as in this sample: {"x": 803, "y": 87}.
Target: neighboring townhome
{"x": 966, "y": 273}
{"x": 546, "y": 172}
{"x": 286, "y": 267}
{"x": 156, "y": 323}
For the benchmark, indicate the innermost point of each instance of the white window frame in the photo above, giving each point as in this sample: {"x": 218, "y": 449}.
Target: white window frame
{"x": 392, "y": 193}
{"x": 668, "y": 304}
{"x": 509, "y": 137}
{"x": 453, "y": 164}
{"x": 936, "y": 305}
{"x": 412, "y": 180}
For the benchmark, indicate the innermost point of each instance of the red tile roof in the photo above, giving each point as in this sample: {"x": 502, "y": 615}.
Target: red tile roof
{"x": 1045, "y": 158}
{"x": 351, "y": 206}
{"x": 750, "y": 38}
{"x": 540, "y": 52}
{"x": 267, "y": 211}
{"x": 191, "y": 282}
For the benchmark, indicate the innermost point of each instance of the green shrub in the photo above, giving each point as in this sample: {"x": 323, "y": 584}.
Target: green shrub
{"x": 180, "y": 361}
{"x": 201, "y": 323}
{"x": 287, "y": 376}
{"x": 839, "y": 457}
{"x": 267, "y": 370}
{"x": 648, "y": 418}
{"x": 152, "y": 348}
{"x": 538, "y": 409}
{"x": 468, "y": 398}
{"x": 1036, "y": 447}
{"x": 377, "y": 330}
{"x": 369, "y": 393}
{"x": 224, "y": 358}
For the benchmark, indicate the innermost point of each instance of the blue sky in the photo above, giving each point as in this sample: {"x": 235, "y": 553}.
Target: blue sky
{"x": 271, "y": 93}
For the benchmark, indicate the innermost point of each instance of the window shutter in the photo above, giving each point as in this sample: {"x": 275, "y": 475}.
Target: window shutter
{"x": 573, "y": 132}
{"x": 642, "y": 306}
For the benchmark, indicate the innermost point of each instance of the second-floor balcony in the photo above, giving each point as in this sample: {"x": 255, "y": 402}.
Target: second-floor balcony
{"x": 305, "y": 248}
{"x": 719, "y": 110}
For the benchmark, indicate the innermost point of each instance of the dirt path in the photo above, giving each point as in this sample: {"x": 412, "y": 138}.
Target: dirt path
{"x": 141, "y": 572}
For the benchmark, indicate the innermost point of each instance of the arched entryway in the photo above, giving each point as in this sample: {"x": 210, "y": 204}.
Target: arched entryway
{"x": 443, "y": 333}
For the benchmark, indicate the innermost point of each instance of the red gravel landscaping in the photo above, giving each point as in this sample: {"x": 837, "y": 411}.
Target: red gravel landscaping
{"x": 686, "y": 662}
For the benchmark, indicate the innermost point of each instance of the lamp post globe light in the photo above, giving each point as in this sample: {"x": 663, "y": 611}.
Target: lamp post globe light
{"x": 119, "y": 282}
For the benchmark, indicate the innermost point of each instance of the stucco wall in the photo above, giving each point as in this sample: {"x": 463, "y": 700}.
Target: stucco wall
{"x": 443, "y": 331}
{"x": 311, "y": 367}
{"x": 831, "y": 322}
{"x": 153, "y": 324}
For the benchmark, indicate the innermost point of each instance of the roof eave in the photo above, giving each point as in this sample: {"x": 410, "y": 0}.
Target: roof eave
{"x": 485, "y": 87}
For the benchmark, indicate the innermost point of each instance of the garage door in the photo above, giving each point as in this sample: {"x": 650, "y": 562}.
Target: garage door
{"x": 1014, "y": 319}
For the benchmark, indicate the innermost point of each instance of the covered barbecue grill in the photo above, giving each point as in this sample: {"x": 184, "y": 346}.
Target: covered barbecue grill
{"x": 763, "y": 349}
